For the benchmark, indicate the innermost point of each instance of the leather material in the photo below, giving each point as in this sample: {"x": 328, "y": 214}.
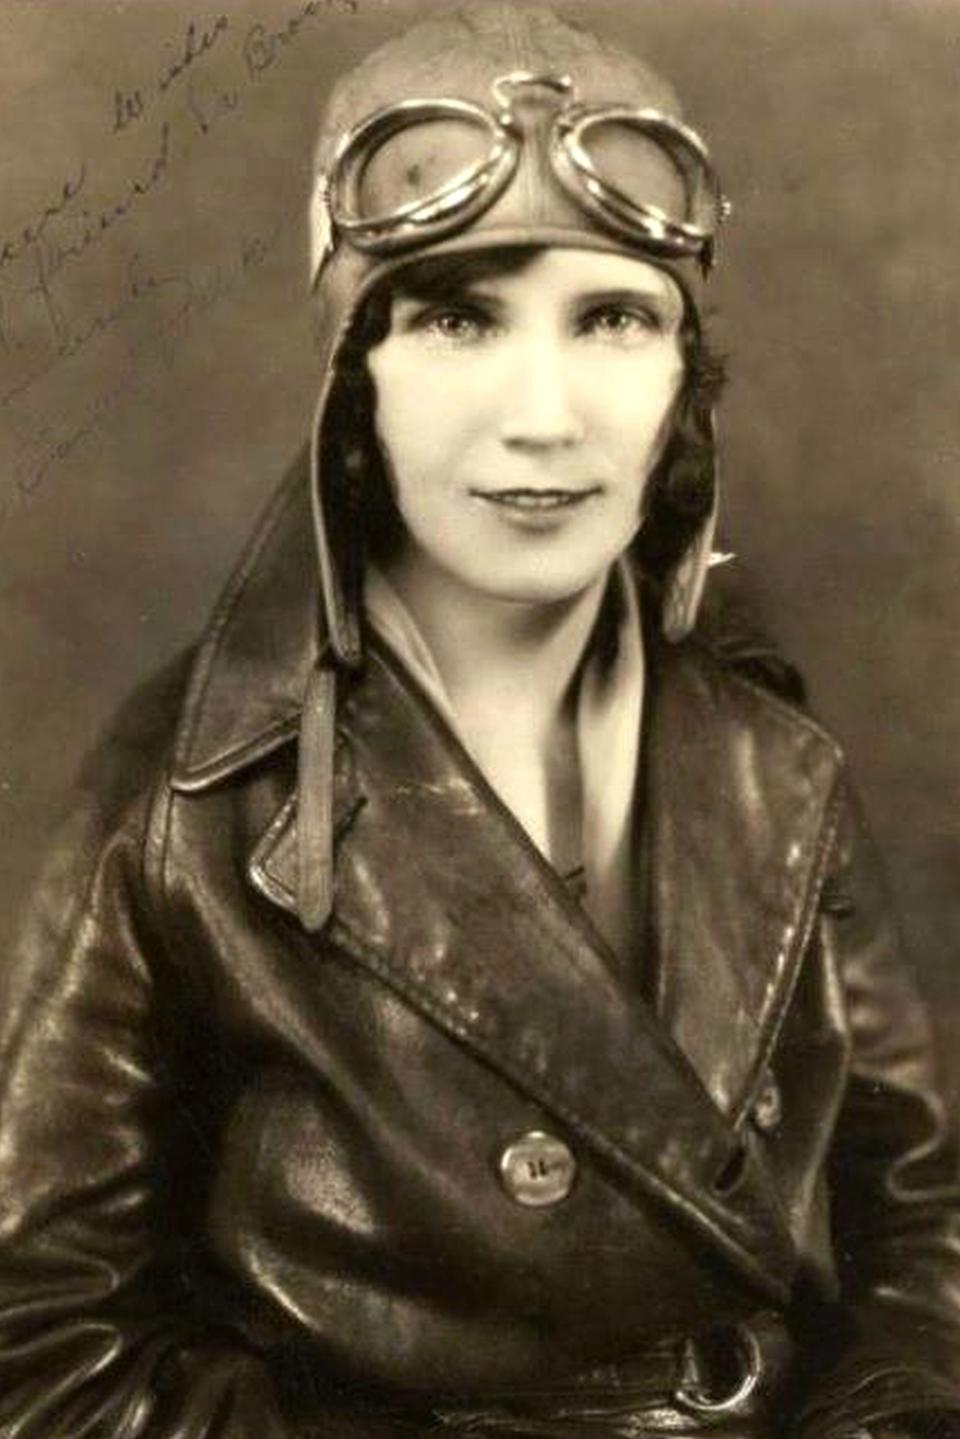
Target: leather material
{"x": 250, "y": 1173}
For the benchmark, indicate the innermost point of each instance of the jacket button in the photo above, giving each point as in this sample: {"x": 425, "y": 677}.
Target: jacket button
{"x": 538, "y": 1169}
{"x": 767, "y": 1107}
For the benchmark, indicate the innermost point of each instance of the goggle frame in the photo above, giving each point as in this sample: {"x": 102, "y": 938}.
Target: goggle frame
{"x": 474, "y": 189}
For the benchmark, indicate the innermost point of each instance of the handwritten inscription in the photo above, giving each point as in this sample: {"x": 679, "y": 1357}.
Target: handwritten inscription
{"x": 33, "y": 231}
{"x": 209, "y": 102}
{"x": 126, "y": 109}
{"x": 262, "y": 46}
{"x": 176, "y": 302}
{"x": 197, "y": 42}
{"x": 91, "y": 227}
{"x": 78, "y": 288}
{"x": 135, "y": 286}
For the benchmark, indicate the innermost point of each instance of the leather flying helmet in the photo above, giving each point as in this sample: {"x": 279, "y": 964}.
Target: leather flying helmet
{"x": 493, "y": 126}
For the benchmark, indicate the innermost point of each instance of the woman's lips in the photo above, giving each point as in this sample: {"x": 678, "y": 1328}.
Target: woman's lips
{"x": 536, "y": 501}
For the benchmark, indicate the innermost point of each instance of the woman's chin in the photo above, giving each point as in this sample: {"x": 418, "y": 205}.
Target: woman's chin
{"x": 505, "y": 577}
{"x": 543, "y": 586}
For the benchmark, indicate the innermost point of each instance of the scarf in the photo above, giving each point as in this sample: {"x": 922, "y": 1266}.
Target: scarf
{"x": 609, "y": 706}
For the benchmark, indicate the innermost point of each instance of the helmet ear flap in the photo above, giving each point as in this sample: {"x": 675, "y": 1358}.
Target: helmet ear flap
{"x": 338, "y": 540}
{"x": 674, "y": 545}
{"x": 684, "y": 584}
{"x": 354, "y": 511}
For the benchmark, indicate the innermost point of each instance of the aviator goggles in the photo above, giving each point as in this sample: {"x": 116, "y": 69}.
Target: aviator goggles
{"x": 422, "y": 169}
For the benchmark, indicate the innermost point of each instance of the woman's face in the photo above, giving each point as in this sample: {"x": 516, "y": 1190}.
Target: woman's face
{"x": 521, "y": 419}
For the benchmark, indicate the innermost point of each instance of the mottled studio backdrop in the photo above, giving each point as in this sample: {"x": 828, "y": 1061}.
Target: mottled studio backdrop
{"x": 156, "y": 375}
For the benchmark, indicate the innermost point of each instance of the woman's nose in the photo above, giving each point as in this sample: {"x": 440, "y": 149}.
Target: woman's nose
{"x": 539, "y": 410}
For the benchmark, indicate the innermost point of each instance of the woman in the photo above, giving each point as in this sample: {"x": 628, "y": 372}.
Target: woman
{"x": 475, "y": 1007}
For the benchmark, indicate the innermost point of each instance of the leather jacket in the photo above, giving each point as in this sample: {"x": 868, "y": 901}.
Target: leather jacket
{"x": 257, "y": 1182}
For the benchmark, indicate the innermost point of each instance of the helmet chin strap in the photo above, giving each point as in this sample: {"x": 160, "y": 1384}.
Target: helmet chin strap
{"x": 339, "y": 635}
{"x": 315, "y": 799}
{"x": 342, "y": 623}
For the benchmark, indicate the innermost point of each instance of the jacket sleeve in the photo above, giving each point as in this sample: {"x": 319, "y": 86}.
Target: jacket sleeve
{"x": 889, "y": 1352}
{"x": 98, "y": 1338}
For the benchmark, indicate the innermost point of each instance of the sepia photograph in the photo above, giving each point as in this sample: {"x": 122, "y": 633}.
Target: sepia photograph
{"x": 479, "y": 719}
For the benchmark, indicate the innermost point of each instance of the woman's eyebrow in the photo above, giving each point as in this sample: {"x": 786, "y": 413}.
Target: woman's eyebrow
{"x": 468, "y": 295}
{"x": 631, "y": 294}
{"x": 477, "y": 295}
{"x": 406, "y": 307}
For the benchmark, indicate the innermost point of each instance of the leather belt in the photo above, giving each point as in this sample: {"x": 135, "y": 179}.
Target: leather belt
{"x": 725, "y": 1374}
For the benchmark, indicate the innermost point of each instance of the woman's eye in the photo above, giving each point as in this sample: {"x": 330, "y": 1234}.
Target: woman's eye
{"x": 459, "y": 324}
{"x": 621, "y": 322}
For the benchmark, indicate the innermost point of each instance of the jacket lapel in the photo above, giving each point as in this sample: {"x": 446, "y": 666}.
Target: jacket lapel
{"x": 440, "y": 895}
{"x": 740, "y": 807}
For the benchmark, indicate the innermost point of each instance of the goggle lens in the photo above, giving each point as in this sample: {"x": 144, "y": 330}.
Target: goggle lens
{"x": 641, "y": 172}
{"x": 410, "y": 168}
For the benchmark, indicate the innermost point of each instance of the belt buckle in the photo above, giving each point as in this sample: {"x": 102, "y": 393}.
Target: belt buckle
{"x": 687, "y": 1395}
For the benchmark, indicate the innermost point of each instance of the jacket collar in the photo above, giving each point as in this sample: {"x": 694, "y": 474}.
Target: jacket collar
{"x": 478, "y": 934}
{"x": 251, "y": 669}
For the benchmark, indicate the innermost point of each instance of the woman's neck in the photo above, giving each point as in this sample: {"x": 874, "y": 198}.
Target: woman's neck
{"x": 506, "y": 660}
